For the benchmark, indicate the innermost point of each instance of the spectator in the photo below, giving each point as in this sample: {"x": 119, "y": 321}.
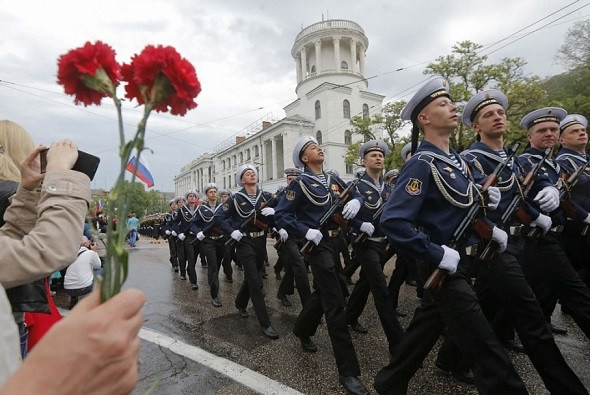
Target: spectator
{"x": 51, "y": 218}
{"x": 79, "y": 279}
{"x": 132, "y": 225}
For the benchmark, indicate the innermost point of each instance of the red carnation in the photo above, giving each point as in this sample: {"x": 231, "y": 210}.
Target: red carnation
{"x": 160, "y": 76}
{"x": 89, "y": 72}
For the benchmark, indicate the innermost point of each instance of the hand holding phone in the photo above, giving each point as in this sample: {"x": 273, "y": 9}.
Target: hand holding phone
{"x": 86, "y": 163}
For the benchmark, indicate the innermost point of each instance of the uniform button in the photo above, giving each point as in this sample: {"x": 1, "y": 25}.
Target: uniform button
{"x": 51, "y": 188}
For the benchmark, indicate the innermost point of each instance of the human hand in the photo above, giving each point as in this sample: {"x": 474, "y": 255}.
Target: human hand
{"x": 236, "y": 235}
{"x": 283, "y": 235}
{"x": 548, "y": 199}
{"x": 587, "y": 220}
{"x": 61, "y": 155}
{"x": 200, "y": 236}
{"x": 174, "y": 233}
{"x": 30, "y": 170}
{"x": 314, "y": 235}
{"x": 543, "y": 221}
{"x": 494, "y": 197}
{"x": 351, "y": 209}
{"x": 450, "y": 260}
{"x": 368, "y": 228}
{"x": 181, "y": 236}
{"x": 168, "y": 233}
{"x": 94, "y": 350}
{"x": 267, "y": 211}
{"x": 500, "y": 237}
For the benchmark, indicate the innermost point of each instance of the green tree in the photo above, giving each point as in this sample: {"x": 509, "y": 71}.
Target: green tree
{"x": 575, "y": 51}
{"x": 469, "y": 73}
{"x": 141, "y": 202}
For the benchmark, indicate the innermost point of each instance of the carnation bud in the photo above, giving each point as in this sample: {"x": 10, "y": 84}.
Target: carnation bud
{"x": 161, "y": 90}
{"x": 99, "y": 82}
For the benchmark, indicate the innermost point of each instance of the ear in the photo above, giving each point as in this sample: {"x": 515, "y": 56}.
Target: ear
{"x": 423, "y": 118}
{"x": 304, "y": 159}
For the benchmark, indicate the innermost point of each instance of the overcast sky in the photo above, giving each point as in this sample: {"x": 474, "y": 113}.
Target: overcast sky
{"x": 241, "y": 50}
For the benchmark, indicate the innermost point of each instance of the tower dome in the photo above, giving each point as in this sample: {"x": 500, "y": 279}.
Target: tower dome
{"x": 333, "y": 50}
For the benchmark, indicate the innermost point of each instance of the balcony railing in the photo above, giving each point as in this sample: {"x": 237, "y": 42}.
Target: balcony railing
{"x": 329, "y": 24}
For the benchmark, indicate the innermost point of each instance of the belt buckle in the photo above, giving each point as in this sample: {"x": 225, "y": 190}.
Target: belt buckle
{"x": 516, "y": 230}
{"x": 471, "y": 250}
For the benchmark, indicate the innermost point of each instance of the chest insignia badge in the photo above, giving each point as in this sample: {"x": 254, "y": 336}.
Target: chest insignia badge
{"x": 290, "y": 195}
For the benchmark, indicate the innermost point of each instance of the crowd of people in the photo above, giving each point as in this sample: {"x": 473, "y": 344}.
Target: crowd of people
{"x": 492, "y": 239}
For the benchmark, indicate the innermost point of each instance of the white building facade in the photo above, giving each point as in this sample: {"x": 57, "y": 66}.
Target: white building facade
{"x": 331, "y": 89}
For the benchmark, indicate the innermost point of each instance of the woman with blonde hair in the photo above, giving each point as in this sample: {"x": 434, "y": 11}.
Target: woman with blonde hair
{"x": 15, "y": 145}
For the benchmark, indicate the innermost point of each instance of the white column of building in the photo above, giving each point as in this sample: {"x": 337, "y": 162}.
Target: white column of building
{"x": 353, "y": 55}
{"x": 336, "y": 41}
{"x": 263, "y": 176}
{"x": 298, "y": 68}
{"x": 318, "y": 56}
{"x": 303, "y": 57}
{"x": 273, "y": 145}
{"x": 362, "y": 58}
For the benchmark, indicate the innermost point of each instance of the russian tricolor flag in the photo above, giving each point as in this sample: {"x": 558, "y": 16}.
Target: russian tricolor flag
{"x": 143, "y": 171}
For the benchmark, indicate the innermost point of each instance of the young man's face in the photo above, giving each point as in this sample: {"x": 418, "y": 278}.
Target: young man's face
{"x": 313, "y": 154}
{"x": 180, "y": 203}
{"x": 212, "y": 194}
{"x": 192, "y": 198}
{"x": 374, "y": 160}
{"x": 440, "y": 113}
{"x": 173, "y": 206}
{"x": 543, "y": 135}
{"x": 490, "y": 121}
{"x": 249, "y": 177}
{"x": 574, "y": 137}
{"x": 224, "y": 197}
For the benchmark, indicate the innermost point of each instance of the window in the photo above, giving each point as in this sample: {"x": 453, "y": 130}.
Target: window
{"x": 346, "y": 108}
{"x": 233, "y": 160}
{"x": 348, "y": 168}
{"x": 348, "y": 137}
{"x": 365, "y": 110}
{"x": 344, "y": 65}
{"x": 318, "y": 137}
{"x": 256, "y": 151}
{"x": 318, "y": 109}
{"x": 248, "y": 154}
{"x": 313, "y": 70}
{"x": 241, "y": 157}
{"x": 223, "y": 167}
{"x": 224, "y": 183}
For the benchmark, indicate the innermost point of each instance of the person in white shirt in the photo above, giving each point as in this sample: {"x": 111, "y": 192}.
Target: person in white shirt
{"x": 79, "y": 278}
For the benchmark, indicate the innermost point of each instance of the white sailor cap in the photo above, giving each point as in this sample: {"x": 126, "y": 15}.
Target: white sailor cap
{"x": 293, "y": 171}
{"x": 481, "y": 100}
{"x": 546, "y": 114}
{"x": 391, "y": 174}
{"x": 432, "y": 90}
{"x": 171, "y": 201}
{"x": 572, "y": 119}
{"x": 225, "y": 192}
{"x": 373, "y": 145}
{"x": 300, "y": 147}
{"x": 359, "y": 171}
{"x": 333, "y": 173}
{"x": 242, "y": 169}
{"x": 179, "y": 198}
{"x": 211, "y": 185}
{"x": 406, "y": 150}
{"x": 193, "y": 192}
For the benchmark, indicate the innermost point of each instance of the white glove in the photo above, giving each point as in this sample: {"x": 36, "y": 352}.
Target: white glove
{"x": 181, "y": 237}
{"x": 548, "y": 199}
{"x": 236, "y": 235}
{"x": 168, "y": 233}
{"x": 544, "y": 222}
{"x": 267, "y": 211}
{"x": 368, "y": 228}
{"x": 587, "y": 220}
{"x": 283, "y": 235}
{"x": 500, "y": 237}
{"x": 494, "y": 196}
{"x": 174, "y": 234}
{"x": 450, "y": 260}
{"x": 351, "y": 208}
{"x": 314, "y": 235}
{"x": 200, "y": 236}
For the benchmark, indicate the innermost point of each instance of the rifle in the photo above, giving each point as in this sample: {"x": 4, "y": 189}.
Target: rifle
{"x": 471, "y": 221}
{"x": 515, "y": 204}
{"x": 363, "y": 236}
{"x": 252, "y": 219}
{"x": 331, "y": 213}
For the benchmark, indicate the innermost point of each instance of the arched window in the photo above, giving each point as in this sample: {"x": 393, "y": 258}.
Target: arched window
{"x": 241, "y": 158}
{"x": 318, "y": 137}
{"x": 348, "y": 137}
{"x": 318, "y": 109}
{"x": 313, "y": 69}
{"x": 365, "y": 110}
{"x": 256, "y": 151}
{"x": 344, "y": 65}
{"x": 346, "y": 109}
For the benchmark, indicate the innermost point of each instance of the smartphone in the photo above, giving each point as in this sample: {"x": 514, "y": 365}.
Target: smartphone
{"x": 86, "y": 163}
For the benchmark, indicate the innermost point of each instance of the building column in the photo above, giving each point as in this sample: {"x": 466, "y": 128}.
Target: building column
{"x": 298, "y": 68}
{"x": 336, "y": 42}
{"x": 353, "y": 56}
{"x": 273, "y": 145}
{"x": 263, "y": 162}
{"x": 303, "y": 56}
{"x": 318, "y": 56}
{"x": 362, "y": 59}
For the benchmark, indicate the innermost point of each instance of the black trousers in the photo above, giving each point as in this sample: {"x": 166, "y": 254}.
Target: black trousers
{"x": 502, "y": 288}
{"x": 552, "y": 276}
{"x": 181, "y": 254}
{"x": 577, "y": 249}
{"x": 458, "y": 309}
{"x": 405, "y": 268}
{"x": 371, "y": 254}
{"x": 192, "y": 247}
{"x": 251, "y": 253}
{"x": 172, "y": 246}
{"x": 327, "y": 299}
{"x": 295, "y": 271}
{"x": 214, "y": 251}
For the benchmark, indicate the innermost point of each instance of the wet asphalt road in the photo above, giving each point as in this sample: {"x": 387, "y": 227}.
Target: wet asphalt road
{"x": 175, "y": 310}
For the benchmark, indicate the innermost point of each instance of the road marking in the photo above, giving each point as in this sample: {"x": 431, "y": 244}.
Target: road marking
{"x": 236, "y": 372}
